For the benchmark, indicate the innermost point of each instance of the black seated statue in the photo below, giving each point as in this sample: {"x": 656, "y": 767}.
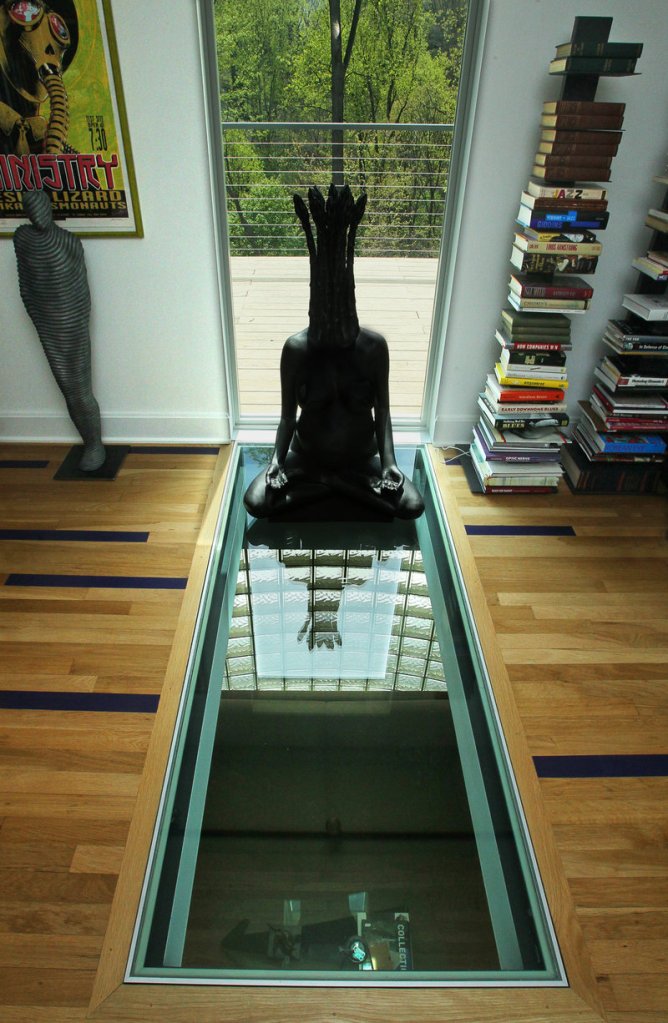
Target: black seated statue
{"x": 340, "y": 446}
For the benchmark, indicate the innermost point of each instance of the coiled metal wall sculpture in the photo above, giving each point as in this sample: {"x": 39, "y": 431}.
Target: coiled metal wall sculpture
{"x": 54, "y": 288}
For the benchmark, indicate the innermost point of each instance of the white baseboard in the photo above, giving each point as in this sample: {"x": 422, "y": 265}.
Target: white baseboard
{"x": 125, "y": 428}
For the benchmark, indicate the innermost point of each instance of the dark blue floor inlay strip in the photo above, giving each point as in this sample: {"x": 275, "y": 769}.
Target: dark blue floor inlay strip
{"x": 120, "y": 703}
{"x": 622, "y": 765}
{"x": 90, "y": 535}
{"x": 520, "y": 530}
{"x": 148, "y": 449}
{"x": 118, "y": 582}
{"x": 23, "y": 463}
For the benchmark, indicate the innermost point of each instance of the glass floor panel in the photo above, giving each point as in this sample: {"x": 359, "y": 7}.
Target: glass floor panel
{"x": 338, "y": 805}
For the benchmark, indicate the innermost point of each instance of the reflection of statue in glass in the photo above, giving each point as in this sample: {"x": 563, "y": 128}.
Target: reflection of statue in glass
{"x": 54, "y": 289}
{"x": 336, "y": 372}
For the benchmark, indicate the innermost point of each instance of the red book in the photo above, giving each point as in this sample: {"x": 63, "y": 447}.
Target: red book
{"x": 593, "y": 160}
{"x": 517, "y": 395}
{"x": 530, "y": 287}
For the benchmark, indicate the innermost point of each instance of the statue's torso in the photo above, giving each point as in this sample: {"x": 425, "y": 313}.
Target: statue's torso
{"x": 52, "y": 270}
{"x": 336, "y": 391}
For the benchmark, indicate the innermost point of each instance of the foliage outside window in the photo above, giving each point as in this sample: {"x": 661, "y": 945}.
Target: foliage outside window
{"x": 355, "y": 61}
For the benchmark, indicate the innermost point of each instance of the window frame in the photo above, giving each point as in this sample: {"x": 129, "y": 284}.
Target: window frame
{"x": 474, "y": 42}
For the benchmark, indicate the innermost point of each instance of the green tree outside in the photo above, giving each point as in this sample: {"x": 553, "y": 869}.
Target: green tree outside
{"x": 339, "y": 60}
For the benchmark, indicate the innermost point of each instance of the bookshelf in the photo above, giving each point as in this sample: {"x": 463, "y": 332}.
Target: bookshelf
{"x": 518, "y": 440}
{"x": 619, "y": 444}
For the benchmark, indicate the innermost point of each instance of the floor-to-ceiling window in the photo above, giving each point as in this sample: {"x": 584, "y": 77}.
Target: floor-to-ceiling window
{"x": 361, "y": 92}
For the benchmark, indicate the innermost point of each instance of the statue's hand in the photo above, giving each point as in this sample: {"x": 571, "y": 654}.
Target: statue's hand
{"x": 392, "y": 478}
{"x": 275, "y": 477}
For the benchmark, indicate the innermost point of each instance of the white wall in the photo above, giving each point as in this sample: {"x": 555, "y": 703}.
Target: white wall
{"x": 520, "y": 40}
{"x": 157, "y": 344}
{"x": 157, "y": 349}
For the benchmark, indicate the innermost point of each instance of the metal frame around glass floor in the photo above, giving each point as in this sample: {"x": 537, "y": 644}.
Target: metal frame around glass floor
{"x": 508, "y": 866}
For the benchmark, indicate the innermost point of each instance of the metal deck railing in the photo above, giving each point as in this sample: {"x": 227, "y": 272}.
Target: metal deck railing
{"x": 402, "y": 167}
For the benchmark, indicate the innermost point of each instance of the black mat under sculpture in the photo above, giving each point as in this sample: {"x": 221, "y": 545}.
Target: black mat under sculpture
{"x": 69, "y": 468}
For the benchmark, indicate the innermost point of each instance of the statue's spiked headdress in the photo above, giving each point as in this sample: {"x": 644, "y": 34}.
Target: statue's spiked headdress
{"x": 332, "y": 309}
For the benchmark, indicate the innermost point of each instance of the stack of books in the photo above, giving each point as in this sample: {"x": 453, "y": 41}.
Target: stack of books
{"x": 556, "y": 234}
{"x": 579, "y": 139}
{"x": 654, "y": 264}
{"x": 518, "y": 440}
{"x": 619, "y": 443}
{"x": 595, "y": 57}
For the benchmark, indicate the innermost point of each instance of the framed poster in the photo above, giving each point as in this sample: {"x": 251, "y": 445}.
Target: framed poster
{"x": 62, "y": 118}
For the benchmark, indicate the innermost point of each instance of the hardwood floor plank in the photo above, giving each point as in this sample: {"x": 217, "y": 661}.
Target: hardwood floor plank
{"x": 97, "y": 859}
{"x": 639, "y": 992}
{"x": 62, "y": 829}
{"x": 45, "y": 855}
{"x": 629, "y": 957}
{"x": 48, "y": 759}
{"x": 27, "y": 986}
{"x": 37, "y": 782}
{"x": 114, "y": 807}
{"x": 622, "y": 896}
{"x": 35, "y": 918}
{"x": 50, "y": 951}
{"x": 596, "y": 735}
{"x": 43, "y": 1014}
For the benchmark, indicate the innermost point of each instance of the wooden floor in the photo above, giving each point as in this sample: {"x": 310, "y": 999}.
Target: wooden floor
{"x": 271, "y": 295}
{"x": 580, "y": 633}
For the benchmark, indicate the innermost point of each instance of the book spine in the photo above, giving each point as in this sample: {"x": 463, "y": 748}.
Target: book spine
{"x": 589, "y": 159}
{"x": 526, "y": 387}
{"x": 568, "y": 226}
{"x": 522, "y": 360}
{"x": 642, "y": 346}
{"x": 541, "y": 395}
{"x": 553, "y": 291}
{"x": 542, "y": 262}
{"x": 495, "y": 481}
{"x": 519, "y": 490}
{"x": 600, "y": 49}
{"x": 620, "y": 448}
{"x": 583, "y": 106}
{"x": 571, "y": 172}
{"x": 503, "y": 456}
{"x": 536, "y": 346}
{"x": 560, "y": 206}
{"x": 529, "y": 304}
{"x": 526, "y": 422}
{"x": 593, "y": 65}
{"x": 579, "y": 122}
{"x": 539, "y": 189}
{"x": 523, "y": 422}
{"x": 635, "y": 380}
{"x": 579, "y": 149}
{"x": 510, "y": 456}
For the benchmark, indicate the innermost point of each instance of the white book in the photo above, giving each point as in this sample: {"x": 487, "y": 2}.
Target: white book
{"x": 648, "y": 307}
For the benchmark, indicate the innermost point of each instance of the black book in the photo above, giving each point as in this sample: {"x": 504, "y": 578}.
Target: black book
{"x": 522, "y": 357}
{"x": 585, "y": 475}
{"x": 554, "y": 327}
{"x": 599, "y": 49}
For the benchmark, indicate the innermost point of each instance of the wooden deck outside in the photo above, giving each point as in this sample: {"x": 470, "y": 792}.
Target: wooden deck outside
{"x": 271, "y": 295}
{"x": 575, "y": 631}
